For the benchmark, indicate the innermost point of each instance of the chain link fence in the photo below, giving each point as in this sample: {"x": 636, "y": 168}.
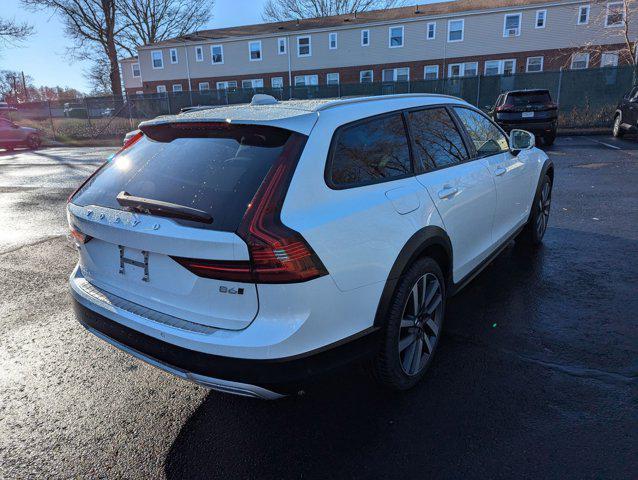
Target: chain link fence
{"x": 586, "y": 99}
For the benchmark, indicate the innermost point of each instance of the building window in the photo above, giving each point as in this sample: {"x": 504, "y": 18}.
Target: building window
{"x": 332, "y": 79}
{"x": 204, "y": 86}
{"x": 227, "y": 85}
{"x": 615, "y": 14}
{"x": 534, "y": 64}
{"x": 173, "y": 55}
{"x": 177, "y": 87}
{"x": 281, "y": 46}
{"x": 306, "y": 80}
{"x": 366, "y": 76}
{"x": 277, "y": 82}
{"x": 136, "y": 70}
{"x": 158, "y": 59}
{"x": 431, "y": 72}
{"x": 431, "y": 33}
{"x": 253, "y": 83}
{"x": 199, "y": 54}
{"x": 512, "y": 25}
{"x": 161, "y": 89}
{"x": 365, "y": 38}
{"x": 500, "y": 67}
{"x": 468, "y": 69}
{"x": 396, "y": 37}
{"x": 609, "y": 59}
{"x": 396, "y": 75}
{"x": 254, "y": 51}
{"x": 332, "y": 41}
{"x": 541, "y": 18}
{"x": 304, "y": 47}
{"x": 583, "y": 14}
{"x": 580, "y": 61}
{"x": 217, "y": 54}
{"x": 139, "y": 92}
{"x": 455, "y": 30}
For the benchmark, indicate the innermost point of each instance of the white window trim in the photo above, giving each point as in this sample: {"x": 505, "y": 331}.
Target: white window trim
{"x": 280, "y": 42}
{"x": 139, "y": 92}
{"x": 199, "y": 49}
{"x": 162, "y": 87}
{"x": 138, "y": 70}
{"x": 333, "y": 73}
{"x": 474, "y": 64}
{"x": 538, "y": 12}
{"x": 587, "y": 56}
{"x": 436, "y": 67}
{"x": 252, "y": 82}
{"x": 365, "y": 71}
{"x": 272, "y": 82}
{"x": 390, "y": 36}
{"x": 580, "y": 10}
{"x": 170, "y": 56}
{"x": 336, "y": 37}
{"x": 615, "y": 25}
{"x": 449, "y": 22}
{"x": 461, "y": 69}
{"x": 542, "y": 64}
{"x": 153, "y": 52}
{"x": 617, "y": 55}
{"x": 305, "y": 80}
{"x": 362, "y": 35}
{"x": 179, "y": 88}
{"x": 199, "y": 86}
{"x": 261, "y": 51}
{"x": 520, "y": 24}
{"x": 309, "y": 54}
{"x": 501, "y": 66}
{"x": 212, "y": 55}
{"x": 427, "y": 31}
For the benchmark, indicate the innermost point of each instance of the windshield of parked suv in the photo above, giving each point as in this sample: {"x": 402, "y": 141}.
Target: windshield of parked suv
{"x": 524, "y": 99}
{"x": 219, "y": 174}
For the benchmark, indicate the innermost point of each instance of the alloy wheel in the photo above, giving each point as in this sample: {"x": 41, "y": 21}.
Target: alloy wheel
{"x": 544, "y": 207}
{"x": 420, "y": 324}
{"x": 617, "y": 126}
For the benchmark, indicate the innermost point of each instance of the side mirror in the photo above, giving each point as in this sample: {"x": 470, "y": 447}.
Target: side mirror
{"x": 521, "y": 140}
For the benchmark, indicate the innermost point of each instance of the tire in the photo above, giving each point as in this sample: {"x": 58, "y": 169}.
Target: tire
{"x": 33, "y": 142}
{"x": 548, "y": 140}
{"x": 534, "y": 231}
{"x": 617, "y": 129}
{"x": 398, "y": 365}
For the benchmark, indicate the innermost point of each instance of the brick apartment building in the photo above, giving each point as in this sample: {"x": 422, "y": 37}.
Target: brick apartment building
{"x": 450, "y": 39}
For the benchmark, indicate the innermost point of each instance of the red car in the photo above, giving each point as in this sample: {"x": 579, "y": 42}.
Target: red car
{"x": 12, "y": 135}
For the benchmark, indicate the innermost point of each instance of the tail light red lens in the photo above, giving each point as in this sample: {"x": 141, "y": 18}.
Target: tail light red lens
{"x": 78, "y": 237}
{"x": 278, "y": 254}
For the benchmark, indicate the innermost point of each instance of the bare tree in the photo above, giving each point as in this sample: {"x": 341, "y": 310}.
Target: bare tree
{"x": 92, "y": 24}
{"x": 98, "y": 75}
{"x": 12, "y": 32}
{"x": 150, "y": 21}
{"x": 282, "y": 10}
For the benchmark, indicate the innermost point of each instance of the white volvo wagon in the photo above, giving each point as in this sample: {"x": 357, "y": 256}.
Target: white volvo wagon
{"x": 251, "y": 247}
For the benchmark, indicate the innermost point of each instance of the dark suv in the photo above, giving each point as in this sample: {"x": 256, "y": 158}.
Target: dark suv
{"x": 626, "y": 115}
{"x": 531, "y": 110}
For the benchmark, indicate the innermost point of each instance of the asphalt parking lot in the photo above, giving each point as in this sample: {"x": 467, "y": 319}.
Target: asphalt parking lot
{"x": 536, "y": 377}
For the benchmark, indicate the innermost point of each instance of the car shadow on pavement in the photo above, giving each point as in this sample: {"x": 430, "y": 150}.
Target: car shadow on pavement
{"x": 523, "y": 382}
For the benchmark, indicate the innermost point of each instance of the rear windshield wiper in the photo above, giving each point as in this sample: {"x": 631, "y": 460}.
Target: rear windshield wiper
{"x": 162, "y": 209}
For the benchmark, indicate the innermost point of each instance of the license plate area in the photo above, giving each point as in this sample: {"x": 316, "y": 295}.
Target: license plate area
{"x": 528, "y": 114}
{"x": 136, "y": 263}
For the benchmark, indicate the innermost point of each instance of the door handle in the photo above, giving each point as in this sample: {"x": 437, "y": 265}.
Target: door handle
{"x": 500, "y": 171}
{"x": 448, "y": 192}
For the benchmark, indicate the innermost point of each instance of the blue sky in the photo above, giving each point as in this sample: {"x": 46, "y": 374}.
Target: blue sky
{"x": 43, "y": 55}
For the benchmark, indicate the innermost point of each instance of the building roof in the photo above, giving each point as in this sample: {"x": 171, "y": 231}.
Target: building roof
{"x": 361, "y": 18}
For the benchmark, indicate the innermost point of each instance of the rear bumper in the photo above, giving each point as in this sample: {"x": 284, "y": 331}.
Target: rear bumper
{"x": 269, "y": 379}
{"x": 537, "y": 128}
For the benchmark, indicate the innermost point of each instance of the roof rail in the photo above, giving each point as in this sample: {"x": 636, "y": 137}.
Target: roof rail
{"x": 354, "y": 100}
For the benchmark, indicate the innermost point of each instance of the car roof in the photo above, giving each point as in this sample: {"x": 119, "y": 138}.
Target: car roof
{"x": 529, "y": 90}
{"x": 295, "y": 115}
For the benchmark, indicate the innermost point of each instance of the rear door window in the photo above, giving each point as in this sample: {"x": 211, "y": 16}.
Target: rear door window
{"x": 372, "y": 151}
{"x": 217, "y": 170}
{"x": 437, "y": 141}
{"x": 488, "y": 139}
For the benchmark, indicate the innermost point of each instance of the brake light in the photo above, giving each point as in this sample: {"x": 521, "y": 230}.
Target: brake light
{"x": 504, "y": 107}
{"x": 278, "y": 254}
{"x": 78, "y": 237}
{"x": 128, "y": 144}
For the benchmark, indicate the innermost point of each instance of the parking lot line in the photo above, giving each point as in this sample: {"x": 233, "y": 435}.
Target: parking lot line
{"x": 606, "y": 144}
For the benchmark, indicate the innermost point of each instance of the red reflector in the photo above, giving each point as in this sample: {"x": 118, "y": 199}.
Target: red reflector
{"x": 79, "y": 237}
{"x": 235, "y": 271}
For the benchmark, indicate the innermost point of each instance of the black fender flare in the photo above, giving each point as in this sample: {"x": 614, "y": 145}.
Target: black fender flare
{"x": 413, "y": 249}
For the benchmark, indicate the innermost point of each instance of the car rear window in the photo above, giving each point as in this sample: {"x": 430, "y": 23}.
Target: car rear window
{"x": 217, "y": 170}
{"x": 372, "y": 151}
{"x": 523, "y": 99}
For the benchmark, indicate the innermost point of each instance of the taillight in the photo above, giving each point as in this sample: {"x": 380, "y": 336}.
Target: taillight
{"x": 504, "y": 107}
{"x": 278, "y": 254}
{"x": 128, "y": 144}
{"x": 78, "y": 237}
